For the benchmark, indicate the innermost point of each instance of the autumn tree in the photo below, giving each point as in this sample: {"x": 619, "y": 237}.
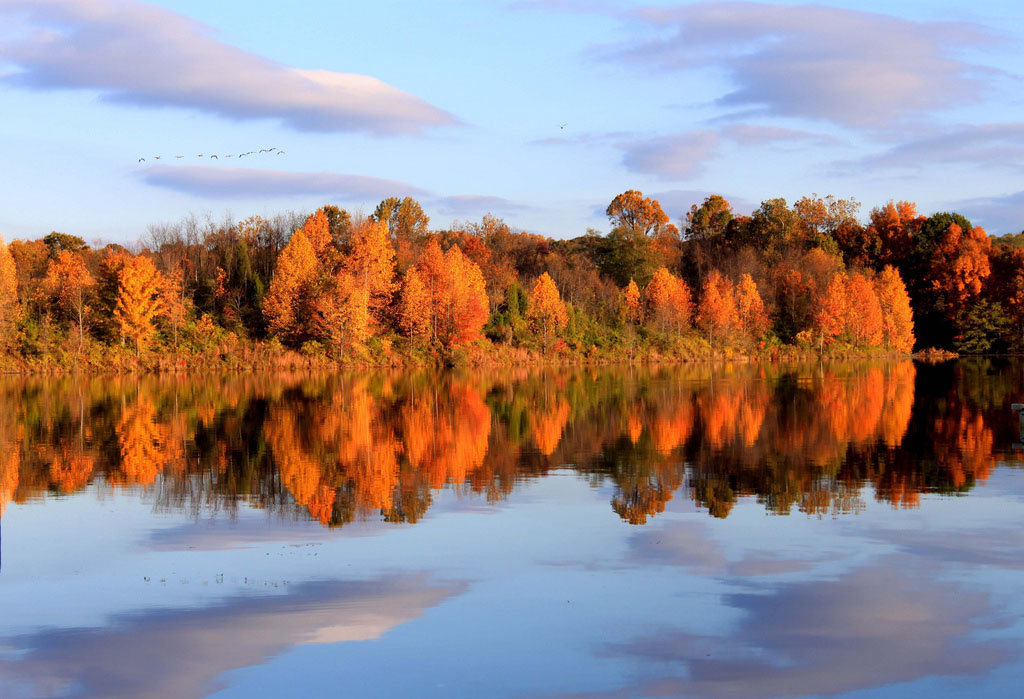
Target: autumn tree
{"x": 897, "y": 317}
{"x": 827, "y": 222}
{"x": 406, "y": 223}
{"x": 173, "y": 303}
{"x": 668, "y": 301}
{"x": 342, "y": 312}
{"x": 753, "y": 319}
{"x": 371, "y": 262}
{"x": 864, "y": 319}
{"x": 631, "y": 302}
{"x": 9, "y": 311}
{"x": 959, "y": 267}
{"x": 317, "y": 230}
{"x": 632, "y": 211}
{"x": 895, "y": 226}
{"x": 717, "y": 317}
{"x": 546, "y": 310}
{"x": 415, "y": 312}
{"x": 292, "y": 290}
{"x": 833, "y": 307}
{"x": 463, "y": 299}
{"x": 69, "y": 284}
{"x": 138, "y": 300}
{"x": 431, "y": 269}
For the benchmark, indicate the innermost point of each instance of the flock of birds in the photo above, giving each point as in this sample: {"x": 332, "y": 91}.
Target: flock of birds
{"x": 275, "y": 150}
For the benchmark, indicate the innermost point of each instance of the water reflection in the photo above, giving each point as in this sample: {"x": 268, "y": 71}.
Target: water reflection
{"x": 815, "y": 438}
{"x": 130, "y": 657}
{"x": 878, "y": 626}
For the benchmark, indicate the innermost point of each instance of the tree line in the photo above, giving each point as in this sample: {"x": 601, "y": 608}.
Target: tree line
{"x": 811, "y": 276}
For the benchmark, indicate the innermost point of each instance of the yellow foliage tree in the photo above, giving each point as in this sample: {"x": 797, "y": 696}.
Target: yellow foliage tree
{"x": 372, "y": 263}
{"x": 465, "y": 297}
{"x": 290, "y": 290}
{"x": 343, "y": 314}
{"x": 415, "y": 312}
{"x": 897, "y": 317}
{"x": 546, "y": 310}
{"x": 9, "y": 311}
{"x": 138, "y": 300}
{"x": 668, "y": 301}
{"x": 174, "y": 306}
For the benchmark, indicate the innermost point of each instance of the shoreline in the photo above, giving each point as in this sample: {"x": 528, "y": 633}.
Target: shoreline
{"x": 260, "y": 358}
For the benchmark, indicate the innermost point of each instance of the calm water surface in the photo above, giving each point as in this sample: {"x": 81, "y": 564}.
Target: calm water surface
{"x": 738, "y": 530}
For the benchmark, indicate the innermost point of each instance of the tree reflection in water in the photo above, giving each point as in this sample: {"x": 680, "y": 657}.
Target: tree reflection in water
{"x": 817, "y": 438}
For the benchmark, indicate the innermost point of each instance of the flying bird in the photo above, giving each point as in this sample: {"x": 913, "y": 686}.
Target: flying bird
{"x": 214, "y": 156}
{"x": 229, "y": 156}
{"x": 179, "y": 156}
{"x": 562, "y": 126}
{"x": 142, "y": 160}
{"x": 280, "y": 152}
{"x": 200, "y": 155}
{"x": 157, "y": 157}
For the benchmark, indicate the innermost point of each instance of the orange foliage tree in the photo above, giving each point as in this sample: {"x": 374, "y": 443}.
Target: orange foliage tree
{"x": 414, "y": 316}
{"x": 864, "y": 321}
{"x": 959, "y": 266}
{"x": 465, "y": 307}
{"x": 895, "y": 225}
{"x": 68, "y": 282}
{"x": 668, "y": 301}
{"x": 291, "y": 290}
{"x": 631, "y": 302}
{"x": 633, "y": 211}
{"x": 546, "y": 310}
{"x": 174, "y": 303}
{"x": 897, "y": 317}
{"x": 9, "y": 312}
{"x": 138, "y": 300}
{"x": 753, "y": 319}
{"x": 833, "y": 306}
{"x": 718, "y": 315}
{"x": 371, "y": 262}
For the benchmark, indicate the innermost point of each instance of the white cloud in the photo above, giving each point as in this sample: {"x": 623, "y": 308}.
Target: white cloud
{"x": 676, "y": 157}
{"x": 997, "y": 215}
{"x": 850, "y": 67}
{"x": 226, "y": 183}
{"x": 463, "y": 204}
{"x": 756, "y": 135}
{"x": 983, "y": 145}
{"x": 145, "y": 55}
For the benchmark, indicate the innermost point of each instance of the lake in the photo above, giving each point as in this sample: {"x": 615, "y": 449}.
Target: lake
{"x": 739, "y": 530}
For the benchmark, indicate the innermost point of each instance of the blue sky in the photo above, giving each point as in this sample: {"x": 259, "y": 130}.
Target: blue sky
{"x": 462, "y": 105}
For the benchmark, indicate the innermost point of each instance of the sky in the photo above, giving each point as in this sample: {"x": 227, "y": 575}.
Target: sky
{"x": 536, "y": 111}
